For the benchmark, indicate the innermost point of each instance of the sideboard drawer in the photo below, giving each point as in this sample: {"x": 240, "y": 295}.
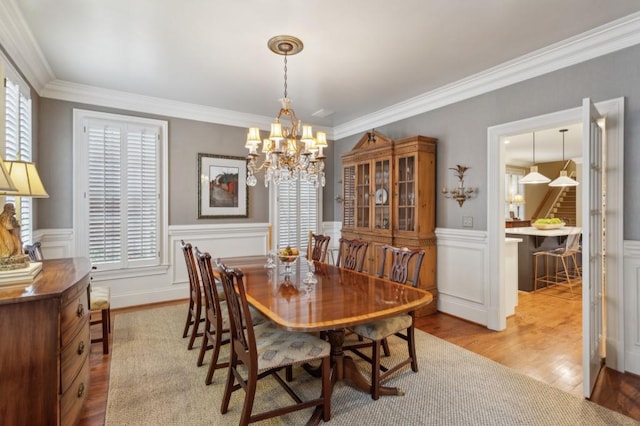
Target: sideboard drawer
{"x": 74, "y": 355}
{"x": 72, "y": 400}
{"x": 73, "y": 315}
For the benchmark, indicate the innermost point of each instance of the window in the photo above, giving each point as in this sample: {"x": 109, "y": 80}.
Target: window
{"x": 514, "y": 192}
{"x": 297, "y": 211}
{"x": 120, "y": 207}
{"x": 18, "y": 143}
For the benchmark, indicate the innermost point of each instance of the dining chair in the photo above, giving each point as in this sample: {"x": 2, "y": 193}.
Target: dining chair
{"x": 194, "y": 313}
{"x": 565, "y": 269}
{"x": 351, "y": 254}
{"x": 318, "y": 246}
{"x": 263, "y": 350}
{"x": 397, "y": 271}
{"x": 34, "y": 251}
{"x": 216, "y": 317}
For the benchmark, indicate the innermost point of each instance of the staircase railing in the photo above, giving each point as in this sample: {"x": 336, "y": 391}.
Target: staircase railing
{"x": 553, "y": 194}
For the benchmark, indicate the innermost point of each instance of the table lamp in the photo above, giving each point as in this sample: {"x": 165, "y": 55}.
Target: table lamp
{"x": 518, "y": 200}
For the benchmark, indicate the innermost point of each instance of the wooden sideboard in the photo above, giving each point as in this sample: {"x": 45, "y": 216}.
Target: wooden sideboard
{"x": 44, "y": 346}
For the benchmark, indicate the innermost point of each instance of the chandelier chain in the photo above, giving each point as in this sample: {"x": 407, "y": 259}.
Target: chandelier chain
{"x": 285, "y": 76}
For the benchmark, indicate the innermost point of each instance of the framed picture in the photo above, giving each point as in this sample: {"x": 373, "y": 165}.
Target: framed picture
{"x": 222, "y": 186}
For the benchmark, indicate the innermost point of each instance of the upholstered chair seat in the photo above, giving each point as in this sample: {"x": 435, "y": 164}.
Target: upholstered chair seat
{"x": 383, "y": 328}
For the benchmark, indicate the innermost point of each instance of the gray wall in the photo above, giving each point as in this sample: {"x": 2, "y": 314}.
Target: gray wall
{"x": 461, "y": 130}
{"x": 186, "y": 139}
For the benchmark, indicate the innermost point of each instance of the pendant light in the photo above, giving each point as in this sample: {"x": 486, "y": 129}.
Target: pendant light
{"x": 563, "y": 179}
{"x": 534, "y": 176}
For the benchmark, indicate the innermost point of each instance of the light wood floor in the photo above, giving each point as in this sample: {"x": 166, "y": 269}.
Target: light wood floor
{"x": 542, "y": 340}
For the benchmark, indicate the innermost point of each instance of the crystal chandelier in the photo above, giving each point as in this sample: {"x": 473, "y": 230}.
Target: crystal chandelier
{"x": 288, "y": 156}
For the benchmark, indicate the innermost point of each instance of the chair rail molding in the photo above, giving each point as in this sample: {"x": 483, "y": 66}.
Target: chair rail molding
{"x": 463, "y": 274}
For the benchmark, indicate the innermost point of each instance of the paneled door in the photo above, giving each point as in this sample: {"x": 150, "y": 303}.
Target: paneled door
{"x": 593, "y": 243}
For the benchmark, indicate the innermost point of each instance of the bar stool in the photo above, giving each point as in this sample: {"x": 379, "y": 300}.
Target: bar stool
{"x": 557, "y": 264}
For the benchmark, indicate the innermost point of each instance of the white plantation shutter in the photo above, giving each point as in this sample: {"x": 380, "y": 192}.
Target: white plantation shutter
{"x": 122, "y": 193}
{"x": 103, "y": 195}
{"x": 297, "y": 212}
{"x": 18, "y": 146}
{"x": 142, "y": 194}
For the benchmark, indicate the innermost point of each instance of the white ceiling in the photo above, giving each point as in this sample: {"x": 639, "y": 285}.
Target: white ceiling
{"x": 548, "y": 146}
{"x": 360, "y": 56}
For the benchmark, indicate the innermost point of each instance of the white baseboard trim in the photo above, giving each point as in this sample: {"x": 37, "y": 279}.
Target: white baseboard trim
{"x": 157, "y": 295}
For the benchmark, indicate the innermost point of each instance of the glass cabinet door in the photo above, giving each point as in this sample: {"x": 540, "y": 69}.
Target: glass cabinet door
{"x": 382, "y": 209}
{"x": 348, "y": 196}
{"x": 406, "y": 193}
{"x": 362, "y": 195}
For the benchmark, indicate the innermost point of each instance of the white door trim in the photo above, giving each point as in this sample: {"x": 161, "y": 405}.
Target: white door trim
{"x": 614, "y": 111}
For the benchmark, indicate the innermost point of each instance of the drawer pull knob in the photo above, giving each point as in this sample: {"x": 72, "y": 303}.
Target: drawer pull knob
{"x": 81, "y": 348}
{"x": 80, "y": 390}
{"x": 80, "y": 311}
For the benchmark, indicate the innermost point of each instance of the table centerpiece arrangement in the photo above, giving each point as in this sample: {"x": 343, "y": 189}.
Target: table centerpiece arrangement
{"x": 548, "y": 223}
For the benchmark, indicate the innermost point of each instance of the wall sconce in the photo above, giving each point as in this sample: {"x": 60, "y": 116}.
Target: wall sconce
{"x": 460, "y": 194}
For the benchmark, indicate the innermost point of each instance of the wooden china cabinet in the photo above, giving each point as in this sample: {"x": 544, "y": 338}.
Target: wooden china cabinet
{"x": 389, "y": 198}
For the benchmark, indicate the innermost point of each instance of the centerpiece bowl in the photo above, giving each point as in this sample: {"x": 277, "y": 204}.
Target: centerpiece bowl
{"x": 547, "y": 226}
{"x": 287, "y": 258}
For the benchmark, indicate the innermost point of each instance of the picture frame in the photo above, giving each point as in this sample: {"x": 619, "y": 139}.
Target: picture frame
{"x": 222, "y": 186}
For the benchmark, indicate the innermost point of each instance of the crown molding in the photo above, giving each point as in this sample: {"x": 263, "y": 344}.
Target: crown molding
{"x": 74, "y": 92}
{"x": 608, "y": 38}
{"x": 19, "y": 43}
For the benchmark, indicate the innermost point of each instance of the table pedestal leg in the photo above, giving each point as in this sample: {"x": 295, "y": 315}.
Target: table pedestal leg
{"x": 344, "y": 367}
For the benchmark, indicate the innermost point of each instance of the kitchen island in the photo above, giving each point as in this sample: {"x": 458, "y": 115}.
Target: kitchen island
{"x": 535, "y": 240}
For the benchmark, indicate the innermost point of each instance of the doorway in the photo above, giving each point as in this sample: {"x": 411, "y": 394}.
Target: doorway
{"x": 614, "y": 111}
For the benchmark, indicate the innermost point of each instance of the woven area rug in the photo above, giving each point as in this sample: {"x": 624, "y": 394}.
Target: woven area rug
{"x": 154, "y": 380}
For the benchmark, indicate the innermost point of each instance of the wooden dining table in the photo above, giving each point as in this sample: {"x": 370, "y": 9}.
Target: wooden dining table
{"x": 339, "y": 299}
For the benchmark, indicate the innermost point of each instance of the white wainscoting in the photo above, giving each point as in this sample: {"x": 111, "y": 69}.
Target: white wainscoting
{"x": 333, "y": 229}
{"x": 56, "y": 243}
{"x": 248, "y": 239}
{"x": 462, "y": 274}
{"x": 632, "y": 306}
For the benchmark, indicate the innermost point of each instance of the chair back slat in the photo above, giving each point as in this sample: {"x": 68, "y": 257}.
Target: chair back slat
{"x": 34, "y": 251}
{"x": 351, "y": 254}
{"x": 320, "y": 245}
{"x": 400, "y": 262}
{"x": 194, "y": 281}
{"x": 240, "y": 323}
{"x": 211, "y": 297}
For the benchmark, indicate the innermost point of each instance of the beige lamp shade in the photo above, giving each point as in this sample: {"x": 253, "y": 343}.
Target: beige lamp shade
{"x": 26, "y": 180}
{"x": 6, "y": 184}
